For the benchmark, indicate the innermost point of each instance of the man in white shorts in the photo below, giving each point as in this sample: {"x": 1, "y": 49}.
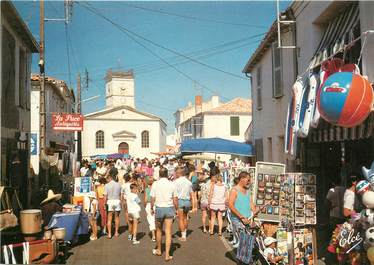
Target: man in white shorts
{"x": 112, "y": 196}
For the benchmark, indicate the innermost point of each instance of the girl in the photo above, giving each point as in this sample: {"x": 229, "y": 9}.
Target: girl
{"x": 147, "y": 205}
{"x": 133, "y": 209}
{"x": 218, "y": 198}
{"x": 195, "y": 185}
{"x": 101, "y": 201}
{"x": 93, "y": 215}
{"x": 204, "y": 198}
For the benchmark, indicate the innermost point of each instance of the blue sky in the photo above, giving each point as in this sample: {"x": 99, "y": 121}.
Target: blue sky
{"x": 96, "y": 45}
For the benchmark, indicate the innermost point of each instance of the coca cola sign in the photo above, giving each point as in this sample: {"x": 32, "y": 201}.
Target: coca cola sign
{"x": 67, "y": 122}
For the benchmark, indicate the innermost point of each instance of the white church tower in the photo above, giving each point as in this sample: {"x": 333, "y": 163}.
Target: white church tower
{"x": 119, "y": 89}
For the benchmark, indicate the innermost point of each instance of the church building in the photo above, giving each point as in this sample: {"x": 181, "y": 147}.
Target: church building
{"x": 120, "y": 127}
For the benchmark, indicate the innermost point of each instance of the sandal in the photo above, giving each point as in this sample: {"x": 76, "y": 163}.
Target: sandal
{"x": 169, "y": 258}
{"x": 155, "y": 252}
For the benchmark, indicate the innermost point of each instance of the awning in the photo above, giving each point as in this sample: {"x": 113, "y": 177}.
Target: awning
{"x": 216, "y": 146}
{"x": 327, "y": 132}
{"x": 338, "y": 33}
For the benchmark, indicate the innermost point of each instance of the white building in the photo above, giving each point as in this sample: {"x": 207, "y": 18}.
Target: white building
{"x": 227, "y": 120}
{"x": 120, "y": 127}
{"x": 58, "y": 99}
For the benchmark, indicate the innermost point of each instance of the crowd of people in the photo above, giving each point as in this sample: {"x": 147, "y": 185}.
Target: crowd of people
{"x": 168, "y": 189}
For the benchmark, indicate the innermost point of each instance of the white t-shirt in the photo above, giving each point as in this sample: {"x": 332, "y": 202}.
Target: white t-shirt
{"x": 126, "y": 189}
{"x": 156, "y": 173}
{"x": 101, "y": 171}
{"x": 133, "y": 203}
{"x": 83, "y": 171}
{"x": 183, "y": 188}
{"x": 267, "y": 252}
{"x": 349, "y": 199}
{"x": 163, "y": 190}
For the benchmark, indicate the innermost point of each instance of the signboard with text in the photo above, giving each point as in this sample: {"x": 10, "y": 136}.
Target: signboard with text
{"x": 82, "y": 186}
{"x": 67, "y": 122}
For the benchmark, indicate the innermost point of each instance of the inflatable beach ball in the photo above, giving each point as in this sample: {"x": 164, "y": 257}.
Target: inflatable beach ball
{"x": 362, "y": 186}
{"x": 345, "y": 99}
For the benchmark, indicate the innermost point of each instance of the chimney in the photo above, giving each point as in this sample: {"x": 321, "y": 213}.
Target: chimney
{"x": 198, "y": 104}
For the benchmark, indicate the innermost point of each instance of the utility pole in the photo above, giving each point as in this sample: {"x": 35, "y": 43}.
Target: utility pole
{"x": 42, "y": 111}
{"x": 79, "y": 102}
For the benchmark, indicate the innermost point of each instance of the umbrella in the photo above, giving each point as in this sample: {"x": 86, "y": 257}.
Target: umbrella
{"x": 117, "y": 155}
{"x": 216, "y": 146}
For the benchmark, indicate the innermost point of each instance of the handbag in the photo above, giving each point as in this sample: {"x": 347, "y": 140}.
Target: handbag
{"x": 245, "y": 248}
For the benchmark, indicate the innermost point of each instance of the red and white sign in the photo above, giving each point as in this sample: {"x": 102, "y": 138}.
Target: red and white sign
{"x": 67, "y": 122}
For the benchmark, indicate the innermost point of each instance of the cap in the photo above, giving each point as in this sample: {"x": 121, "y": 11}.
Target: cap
{"x": 269, "y": 240}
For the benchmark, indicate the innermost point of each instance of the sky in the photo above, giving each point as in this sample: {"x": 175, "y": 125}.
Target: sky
{"x": 221, "y": 36}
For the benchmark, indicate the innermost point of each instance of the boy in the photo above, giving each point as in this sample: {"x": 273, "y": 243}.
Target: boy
{"x": 93, "y": 215}
{"x": 270, "y": 251}
{"x": 133, "y": 209}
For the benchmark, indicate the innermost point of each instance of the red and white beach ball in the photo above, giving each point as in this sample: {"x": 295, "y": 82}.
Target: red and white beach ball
{"x": 345, "y": 99}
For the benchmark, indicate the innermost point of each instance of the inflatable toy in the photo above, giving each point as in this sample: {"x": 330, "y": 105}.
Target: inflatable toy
{"x": 345, "y": 99}
{"x": 369, "y": 173}
{"x": 369, "y": 236}
{"x": 362, "y": 186}
{"x": 367, "y": 218}
{"x": 368, "y": 199}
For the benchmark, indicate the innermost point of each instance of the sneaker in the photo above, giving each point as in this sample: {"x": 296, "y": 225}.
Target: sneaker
{"x": 135, "y": 242}
{"x": 129, "y": 237}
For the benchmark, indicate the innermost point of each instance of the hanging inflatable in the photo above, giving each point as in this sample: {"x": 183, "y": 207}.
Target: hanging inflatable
{"x": 345, "y": 99}
{"x": 308, "y": 107}
{"x": 293, "y": 115}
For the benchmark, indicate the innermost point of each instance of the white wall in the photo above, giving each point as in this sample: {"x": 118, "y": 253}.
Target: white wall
{"x": 91, "y": 126}
{"x": 218, "y": 125}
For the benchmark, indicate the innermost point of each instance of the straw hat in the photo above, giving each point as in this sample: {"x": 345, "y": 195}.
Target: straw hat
{"x": 51, "y": 196}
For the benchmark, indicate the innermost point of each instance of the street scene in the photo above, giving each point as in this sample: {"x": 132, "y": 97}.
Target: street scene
{"x": 207, "y": 132}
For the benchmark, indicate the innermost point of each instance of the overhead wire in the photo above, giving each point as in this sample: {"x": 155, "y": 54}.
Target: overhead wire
{"x": 128, "y": 33}
{"x": 68, "y": 53}
{"x": 160, "y": 11}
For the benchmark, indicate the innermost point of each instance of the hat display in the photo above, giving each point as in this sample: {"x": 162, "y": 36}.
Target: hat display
{"x": 51, "y": 196}
{"x": 269, "y": 240}
{"x": 362, "y": 186}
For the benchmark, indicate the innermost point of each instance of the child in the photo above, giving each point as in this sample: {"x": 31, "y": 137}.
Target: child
{"x": 93, "y": 215}
{"x": 147, "y": 205}
{"x": 133, "y": 209}
{"x": 270, "y": 251}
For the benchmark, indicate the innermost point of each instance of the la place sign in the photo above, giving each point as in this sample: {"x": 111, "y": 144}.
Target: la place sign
{"x": 67, "y": 122}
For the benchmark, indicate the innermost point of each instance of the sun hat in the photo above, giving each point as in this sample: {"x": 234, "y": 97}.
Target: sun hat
{"x": 51, "y": 196}
{"x": 269, "y": 240}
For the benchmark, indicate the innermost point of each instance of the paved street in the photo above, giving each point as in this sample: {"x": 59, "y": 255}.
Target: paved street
{"x": 199, "y": 249}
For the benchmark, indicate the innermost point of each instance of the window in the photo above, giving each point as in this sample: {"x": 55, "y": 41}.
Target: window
{"x": 145, "y": 139}
{"x": 22, "y": 83}
{"x": 270, "y": 149}
{"x": 259, "y": 149}
{"x": 99, "y": 139}
{"x": 234, "y": 126}
{"x": 258, "y": 89}
{"x": 277, "y": 70}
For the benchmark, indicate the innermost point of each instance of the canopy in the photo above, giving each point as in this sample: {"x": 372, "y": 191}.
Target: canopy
{"x": 216, "y": 146}
{"x": 110, "y": 156}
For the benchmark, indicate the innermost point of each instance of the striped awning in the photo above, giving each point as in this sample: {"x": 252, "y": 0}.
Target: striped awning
{"x": 327, "y": 132}
{"x": 338, "y": 33}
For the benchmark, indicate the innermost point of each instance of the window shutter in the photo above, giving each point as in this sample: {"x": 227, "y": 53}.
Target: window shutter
{"x": 277, "y": 71}
{"x": 258, "y": 90}
{"x": 234, "y": 126}
{"x": 259, "y": 150}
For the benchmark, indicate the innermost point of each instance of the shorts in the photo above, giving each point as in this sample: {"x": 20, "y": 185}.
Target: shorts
{"x": 163, "y": 213}
{"x": 114, "y": 205}
{"x": 218, "y": 207}
{"x": 204, "y": 206}
{"x": 184, "y": 205}
{"x": 134, "y": 215}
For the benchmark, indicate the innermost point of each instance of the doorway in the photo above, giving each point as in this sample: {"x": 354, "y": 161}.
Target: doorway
{"x": 123, "y": 148}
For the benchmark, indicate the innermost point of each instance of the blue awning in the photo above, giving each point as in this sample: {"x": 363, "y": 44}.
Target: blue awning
{"x": 216, "y": 146}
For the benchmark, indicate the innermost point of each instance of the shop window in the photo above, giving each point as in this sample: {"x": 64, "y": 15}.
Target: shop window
{"x": 277, "y": 70}
{"x": 145, "y": 139}
{"x": 258, "y": 88}
{"x": 234, "y": 126}
{"x": 99, "y": 139}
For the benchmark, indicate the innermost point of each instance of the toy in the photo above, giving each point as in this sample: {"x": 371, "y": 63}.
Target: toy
{"x": 362, "y": 186}
{"x": 369, "y": 236}
{"x": 368, "y": 199}
{"x": 367, "y": 218}
{"x": 370, "y": 254}
{"x": 345, "y": 99}
{"x": 369, "y": 173}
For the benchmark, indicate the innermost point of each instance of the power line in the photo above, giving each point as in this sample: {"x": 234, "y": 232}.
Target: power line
{"x": 124, "y": 30}
{"x": 169, "y": 49}
{"x": 160, "y": 11}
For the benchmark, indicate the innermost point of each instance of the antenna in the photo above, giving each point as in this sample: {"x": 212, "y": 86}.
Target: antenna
{"x": 281, "y": 19}
{"x": 68, "y": 6}
{"x": 86, "y": 79}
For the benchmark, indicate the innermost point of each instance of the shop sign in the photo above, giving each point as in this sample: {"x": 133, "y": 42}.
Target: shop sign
{"x": 34, "y": 144}
{"x": 349, "y": 239}
{"x": 67, "y": 122}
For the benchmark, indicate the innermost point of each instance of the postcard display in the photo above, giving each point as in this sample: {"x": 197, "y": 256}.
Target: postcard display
{"x": 293, "y": 197}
